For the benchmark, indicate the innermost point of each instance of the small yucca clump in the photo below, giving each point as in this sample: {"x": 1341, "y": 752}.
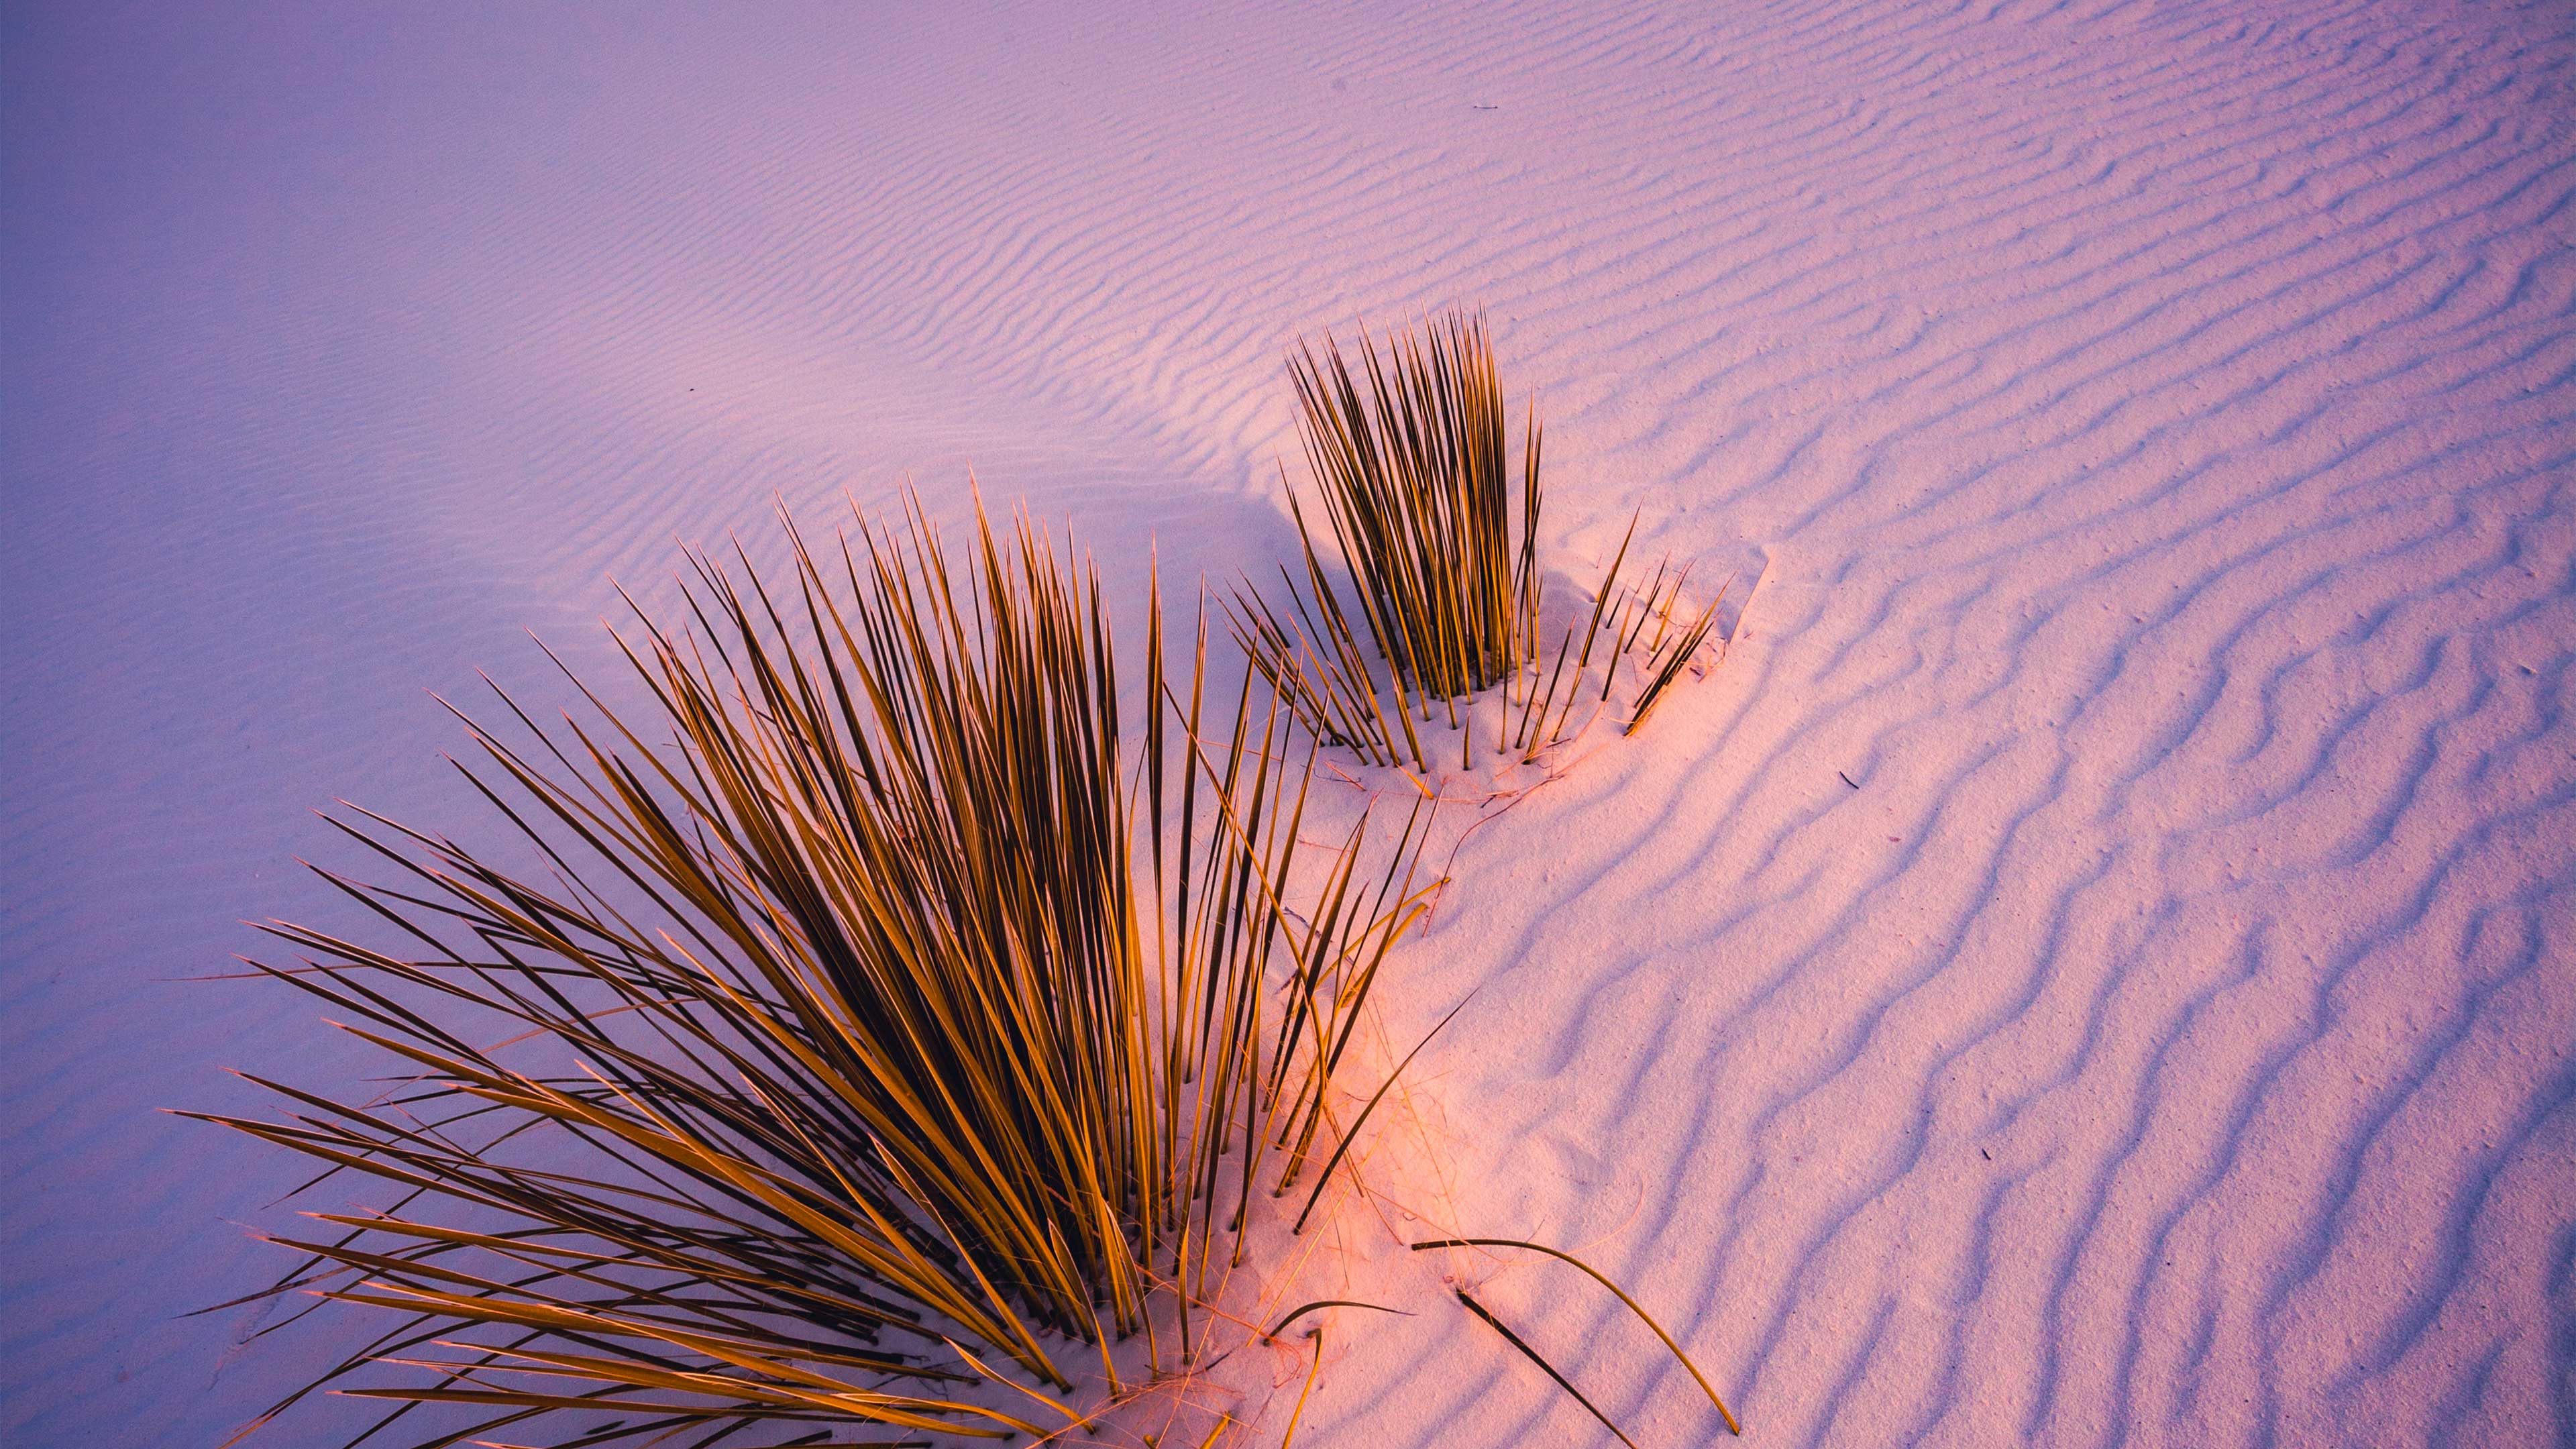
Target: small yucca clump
{"x": 1417, "y": 494}
{"x": 1418, "y": 491}
{"x": 855, "y": 1043}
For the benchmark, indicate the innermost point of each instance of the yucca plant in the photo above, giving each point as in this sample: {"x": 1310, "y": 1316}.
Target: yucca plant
{"x": 1417, "y": 499}
{"x": 1417, "y": 490}
{"x": 864, "y": 1032}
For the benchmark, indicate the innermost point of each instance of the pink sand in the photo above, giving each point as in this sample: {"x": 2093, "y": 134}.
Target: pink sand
{"x": 2160, "y": 421}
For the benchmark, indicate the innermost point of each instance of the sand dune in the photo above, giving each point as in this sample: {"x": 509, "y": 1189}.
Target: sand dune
{"x": 2160, "y": 421}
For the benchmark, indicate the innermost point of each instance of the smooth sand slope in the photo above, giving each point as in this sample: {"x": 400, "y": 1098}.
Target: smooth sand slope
{"x": 2160, "y": 419}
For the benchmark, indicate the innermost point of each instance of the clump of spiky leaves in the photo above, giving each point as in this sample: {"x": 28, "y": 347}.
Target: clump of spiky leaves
{"x": 1416, "y": 492}
{"x": 1417, "y": 489}
{"x": 856, "y": 1045}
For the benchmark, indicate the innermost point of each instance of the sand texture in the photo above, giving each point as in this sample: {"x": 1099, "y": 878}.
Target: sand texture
{"x": 2095, "y": 966}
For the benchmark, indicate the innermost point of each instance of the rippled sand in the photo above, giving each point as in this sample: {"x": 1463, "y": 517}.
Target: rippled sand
{"x": 2159, "y": 422}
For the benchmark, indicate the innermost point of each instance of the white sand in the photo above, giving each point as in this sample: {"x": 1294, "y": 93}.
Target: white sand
{"x": 2159, "y": 417}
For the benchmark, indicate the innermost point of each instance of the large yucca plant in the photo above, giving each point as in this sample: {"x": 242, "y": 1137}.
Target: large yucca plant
{"x": 858, "y": 1032}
